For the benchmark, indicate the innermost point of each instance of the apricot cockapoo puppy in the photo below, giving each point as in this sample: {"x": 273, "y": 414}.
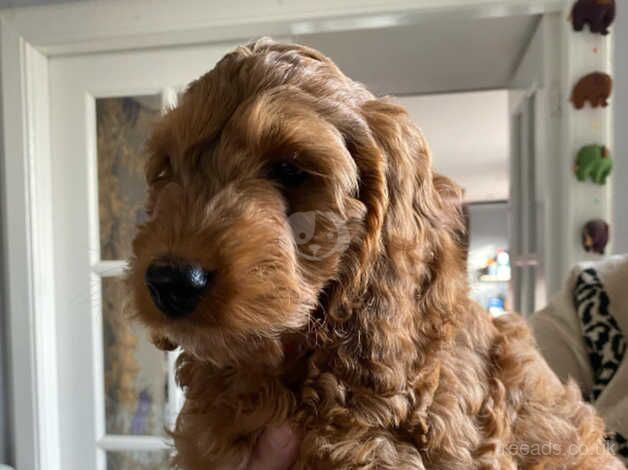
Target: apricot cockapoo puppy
{"x": 311, "y": 266}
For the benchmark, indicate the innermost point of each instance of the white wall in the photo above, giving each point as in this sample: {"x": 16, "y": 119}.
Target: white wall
{"x": 620, "y": 151}
{"x": 488, "y": 225}
{"x": 468, "y": 134}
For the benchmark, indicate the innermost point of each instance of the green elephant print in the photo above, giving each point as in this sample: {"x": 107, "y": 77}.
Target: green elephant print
{"x": 594, "y": 162}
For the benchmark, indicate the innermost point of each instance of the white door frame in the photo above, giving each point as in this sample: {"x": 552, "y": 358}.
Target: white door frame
{"x": 29, "y": 37}
{"x": 534, "y": 96}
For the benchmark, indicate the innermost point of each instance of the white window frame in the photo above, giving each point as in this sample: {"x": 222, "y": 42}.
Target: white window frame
{"x": 29, "y": 37}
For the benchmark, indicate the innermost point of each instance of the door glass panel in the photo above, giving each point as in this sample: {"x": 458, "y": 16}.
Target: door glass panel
{"x": 157, "y": 460}
{"x": 136, "y": 373}
{"x": 123, "y": 125}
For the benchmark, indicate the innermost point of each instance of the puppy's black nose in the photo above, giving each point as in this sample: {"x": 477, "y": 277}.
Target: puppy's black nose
{"x": 176, "y": 288}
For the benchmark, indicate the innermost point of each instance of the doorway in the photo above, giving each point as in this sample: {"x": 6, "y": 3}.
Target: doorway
{"x": 102, "y": 108}
{"x": 456, "y": 80}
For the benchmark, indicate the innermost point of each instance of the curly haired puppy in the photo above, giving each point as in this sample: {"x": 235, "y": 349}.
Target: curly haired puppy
{"x": 309, "y": 263}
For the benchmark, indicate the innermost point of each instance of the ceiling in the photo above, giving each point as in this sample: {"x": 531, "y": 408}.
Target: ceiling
{"x": 431, "y": 57}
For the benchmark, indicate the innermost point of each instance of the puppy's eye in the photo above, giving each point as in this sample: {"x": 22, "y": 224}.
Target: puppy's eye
{"x": 162, "y": 176}
{"x": 287, "y": 174}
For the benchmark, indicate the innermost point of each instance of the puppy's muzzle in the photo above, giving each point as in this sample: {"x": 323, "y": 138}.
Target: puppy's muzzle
{"x": 175, "y": 287}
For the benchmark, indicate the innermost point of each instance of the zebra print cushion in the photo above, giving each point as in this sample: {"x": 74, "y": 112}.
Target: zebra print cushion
{"x": 603, "y": 338}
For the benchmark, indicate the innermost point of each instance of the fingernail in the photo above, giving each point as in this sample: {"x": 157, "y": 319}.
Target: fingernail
{"x": 281, "y": 437}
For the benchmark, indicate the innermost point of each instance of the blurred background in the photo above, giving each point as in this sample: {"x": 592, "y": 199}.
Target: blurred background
{"x": 488, "y": 85}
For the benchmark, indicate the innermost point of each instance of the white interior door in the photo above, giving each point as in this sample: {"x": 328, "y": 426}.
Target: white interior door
{"x": 116, "y": 392}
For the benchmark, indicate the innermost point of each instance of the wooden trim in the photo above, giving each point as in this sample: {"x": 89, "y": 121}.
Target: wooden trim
{"x": 29, "y": 251}
{"x": 583, "y": 53}
{"x": 113, "y": 268}
{"x": 42, "y": 262}
{"x": 120, "y": 24}
{"x": 133, "y": 443}
{"x": 17, "y": 248}
{"x": 495, "y": 202}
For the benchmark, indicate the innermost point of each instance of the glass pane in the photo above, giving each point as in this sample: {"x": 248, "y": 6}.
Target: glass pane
{"x": 136, "y": 373}
{"x": 488, "y": 260}
{"x": 157, "y": 460}
{"x": 123, "y": 125}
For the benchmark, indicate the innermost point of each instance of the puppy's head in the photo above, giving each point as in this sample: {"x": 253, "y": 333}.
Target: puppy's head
{"x": 274, "y": 187}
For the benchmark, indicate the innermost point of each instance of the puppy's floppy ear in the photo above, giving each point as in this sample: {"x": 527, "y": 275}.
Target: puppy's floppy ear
{"x": 451, "y": 204}
{"x": 346, "y": 294}
{"x": 414, "y": 216}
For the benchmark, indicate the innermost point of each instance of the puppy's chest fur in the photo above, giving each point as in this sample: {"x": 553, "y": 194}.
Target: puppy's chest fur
{"x": 470, "y": 405}
{"x": 447, "y": 413}
{"x": 336, "y": 419}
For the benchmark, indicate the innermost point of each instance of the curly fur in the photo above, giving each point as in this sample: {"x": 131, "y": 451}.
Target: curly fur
{"x": 375, "y": 350}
